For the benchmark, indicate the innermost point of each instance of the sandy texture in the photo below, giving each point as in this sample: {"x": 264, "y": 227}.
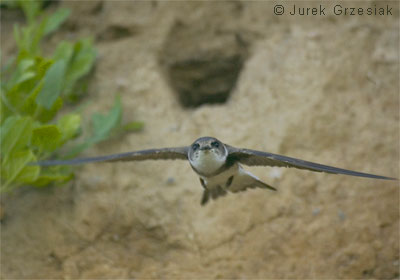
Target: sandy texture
{"x": 322, "y": 88}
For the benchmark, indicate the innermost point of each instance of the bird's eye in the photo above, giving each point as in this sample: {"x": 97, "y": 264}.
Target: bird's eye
{"x": 215, "y": 144}
{"x": 195, "y": 146}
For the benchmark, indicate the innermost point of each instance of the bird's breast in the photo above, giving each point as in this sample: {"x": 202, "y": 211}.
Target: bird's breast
{"x": 207, "y": 162}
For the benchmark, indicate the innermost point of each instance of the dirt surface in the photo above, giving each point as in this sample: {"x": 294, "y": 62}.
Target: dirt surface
{"x": 321, "y": 88}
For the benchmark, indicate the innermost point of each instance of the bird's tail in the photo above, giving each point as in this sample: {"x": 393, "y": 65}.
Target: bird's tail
{"x": 260, "y": 184}
{"x": 214, "y": 193}
{"x": 252, "y": 182}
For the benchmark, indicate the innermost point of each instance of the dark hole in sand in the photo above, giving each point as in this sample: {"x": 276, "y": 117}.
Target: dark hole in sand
{"x": 202, "y": 64}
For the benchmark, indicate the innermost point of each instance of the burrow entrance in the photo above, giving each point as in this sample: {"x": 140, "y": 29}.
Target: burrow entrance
{"x": 202, "y": 63}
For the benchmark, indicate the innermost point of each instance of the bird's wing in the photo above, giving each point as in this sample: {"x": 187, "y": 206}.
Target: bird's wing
{"x": 253, "y": 158}
{"x": 164, "y": 153}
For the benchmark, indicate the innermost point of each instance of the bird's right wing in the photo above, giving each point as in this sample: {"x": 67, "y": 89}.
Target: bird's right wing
{"x": 163, "y": 153}
{"x": 259, "y": 158}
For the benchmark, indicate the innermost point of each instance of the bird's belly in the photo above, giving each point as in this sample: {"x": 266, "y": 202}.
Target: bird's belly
{"x": 219, "y": 180}
{"x": 229, "y": 180}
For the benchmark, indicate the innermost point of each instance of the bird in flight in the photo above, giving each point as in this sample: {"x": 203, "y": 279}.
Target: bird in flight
{"x": 218, "y": 165}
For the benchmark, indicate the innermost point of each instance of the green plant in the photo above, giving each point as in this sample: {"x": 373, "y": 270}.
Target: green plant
{"x": 33, "y": 90}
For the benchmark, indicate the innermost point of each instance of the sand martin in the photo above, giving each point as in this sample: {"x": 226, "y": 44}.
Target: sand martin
{"x": 218, "y": 165}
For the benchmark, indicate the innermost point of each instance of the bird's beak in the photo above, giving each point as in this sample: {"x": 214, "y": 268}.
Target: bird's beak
{"x": 205, "y": 148}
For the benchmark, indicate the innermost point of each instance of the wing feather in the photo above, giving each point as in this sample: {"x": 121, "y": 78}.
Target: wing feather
{"x": 154, "y": 154}
{"x": 254, "y": 158}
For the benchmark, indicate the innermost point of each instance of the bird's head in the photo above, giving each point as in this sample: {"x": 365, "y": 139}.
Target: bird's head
{"x": 207, "y": 154}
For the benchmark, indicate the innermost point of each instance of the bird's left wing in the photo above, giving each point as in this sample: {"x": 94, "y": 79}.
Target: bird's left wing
{"x": 163, "y": 153}
{"x": 253, "y": 158}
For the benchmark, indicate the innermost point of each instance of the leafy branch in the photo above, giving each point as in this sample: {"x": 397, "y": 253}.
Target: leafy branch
{"x": 33, "y": 90}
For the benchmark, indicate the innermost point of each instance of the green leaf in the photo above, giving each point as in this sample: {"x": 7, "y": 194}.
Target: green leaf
{"x": 53, "y": 83}
{"x": 77, "y": 149}
{"x": 69, "y": 126}
{"x": 104, "y": 124}
{"x": 25, "y": 76}
{"x": 24, "y": 64}
{"x": 55, "y": 20}
{"x": 53, "y": 175}
{"x": 42, "y": 66}
{"x": 80, "y": 64}
{"x": 6, "y": 107}
{"x": 31, "y": 9}
{"x": 22, "y": 73}
{"x": 64, "y": 51}
{"x": 43, "y": 115}
{"x": 47, "y": 115}
{"x": 133, "y": 126}
{"x": 17, "y": 35}
{"x": 28, "y": 38}
{"x": 15, "y": 134}
{"x": 28, "y": 173}
{"x": 29, "y": 105}
{"x": 46, "y": 138}
{"x": 16, "y": 171}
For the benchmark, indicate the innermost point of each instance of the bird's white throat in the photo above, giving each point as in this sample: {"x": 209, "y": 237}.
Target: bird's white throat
{"x": 207, "y": 162}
